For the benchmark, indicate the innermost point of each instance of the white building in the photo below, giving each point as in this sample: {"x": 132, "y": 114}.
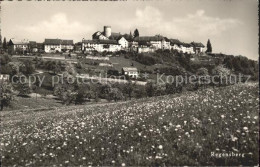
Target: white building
{"x": 181, "y": 46}
{"x": 175, "y": 44}
{"x": 147, "y": 49}
{"x": 18, "y": 46}
{"x": 157, "y": 41}
{"x": 130, "y": 71}
{"x": 187, "y": 48}
{"x": 123, "y": 42}
{"x": 198, "y": 47}
{"x": 100, "y": 45}
{"x": 58, "y": 45}
{"x": 166, "y": 44}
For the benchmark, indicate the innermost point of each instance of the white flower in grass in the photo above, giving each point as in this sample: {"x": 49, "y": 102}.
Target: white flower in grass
{"x": 233, "y": 138}
{"x": 234, "y": 149}
{"x": 113, "y": 162}
{"x": 123, "y": 164}
{"x": 160, "y": 147}
{"x": 83, "y": 158}
{"x": 245, "y": 128}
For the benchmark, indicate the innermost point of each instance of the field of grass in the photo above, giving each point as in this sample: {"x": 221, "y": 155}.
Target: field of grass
{"x": 180, "y": 129}
{"x": 23, "y": 103}
{"x": 120, "y": 62}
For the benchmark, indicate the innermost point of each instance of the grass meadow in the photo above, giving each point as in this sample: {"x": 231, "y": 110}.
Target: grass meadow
{"x": 180, "y": 129}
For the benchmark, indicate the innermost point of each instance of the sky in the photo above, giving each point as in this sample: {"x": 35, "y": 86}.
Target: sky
{"x": 231, "y": 25}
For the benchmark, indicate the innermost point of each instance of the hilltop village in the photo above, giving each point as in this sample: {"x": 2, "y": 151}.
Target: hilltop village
{"x": 107, "y": 41}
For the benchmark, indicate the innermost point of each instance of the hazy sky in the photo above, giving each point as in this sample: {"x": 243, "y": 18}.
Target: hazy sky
{"x": 231, "y": 25}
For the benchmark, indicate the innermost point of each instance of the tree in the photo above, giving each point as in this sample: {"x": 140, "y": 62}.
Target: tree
{"x": 221, "y": 73}
{"x": 5, "y": 59}
{"x": 6, "y": 94}
{"x": 116, "y": 94}
{"x": 140, "y": 92}
{"x": 203, "y": 74}
{"x": 0, "y": 40}
{"x": 202, "y": 71}
{"x": 28, "y": 67}
{"x": 68, "y": 97}
{"x": 24, "y": 88}
{"x": 80, "y": 97}
{"x": 131, "y": 35}
{"x": 57, "y": 67}
{"x": 150, "y": 89}
{"x": 136, "y": 33}
{"x": 228, "y": 62}
{"x": 209, "y": 47}
{"x": 67, "y": 93}
{"x": 128, "y": 89}
{"x": 4, "y": 43}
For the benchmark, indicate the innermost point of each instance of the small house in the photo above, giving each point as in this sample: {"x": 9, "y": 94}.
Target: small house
{"x": 198, "y": 47}
{"x": 130, "y": 71}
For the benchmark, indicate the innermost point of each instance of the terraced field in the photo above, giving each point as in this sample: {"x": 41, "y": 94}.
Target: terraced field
{"x": 181, "y": 129}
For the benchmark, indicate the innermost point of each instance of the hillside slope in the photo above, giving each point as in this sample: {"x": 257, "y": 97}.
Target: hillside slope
{"x": 170, "y": 130}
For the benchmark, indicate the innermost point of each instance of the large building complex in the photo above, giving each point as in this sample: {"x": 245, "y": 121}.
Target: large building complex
{"x": 107, "y": 41}
{"x": 112, "y": 41}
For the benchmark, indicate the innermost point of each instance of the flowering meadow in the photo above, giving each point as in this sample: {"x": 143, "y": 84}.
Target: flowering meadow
{"x": 180, "y": 129}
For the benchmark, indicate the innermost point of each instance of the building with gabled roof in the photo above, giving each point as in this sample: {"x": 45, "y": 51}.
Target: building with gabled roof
{"x": 123, "y": 42}
{"x": 107, "y": 34}
{"x": 100, "y": 45}
{"x": 130, "y": 71}
{"x": 187, "y": 48}
{"x": 18, "y": 46}
{"x": 198, "y": 47}
{"x": 58, "y": 45}
{"x": 157, "y": 41}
